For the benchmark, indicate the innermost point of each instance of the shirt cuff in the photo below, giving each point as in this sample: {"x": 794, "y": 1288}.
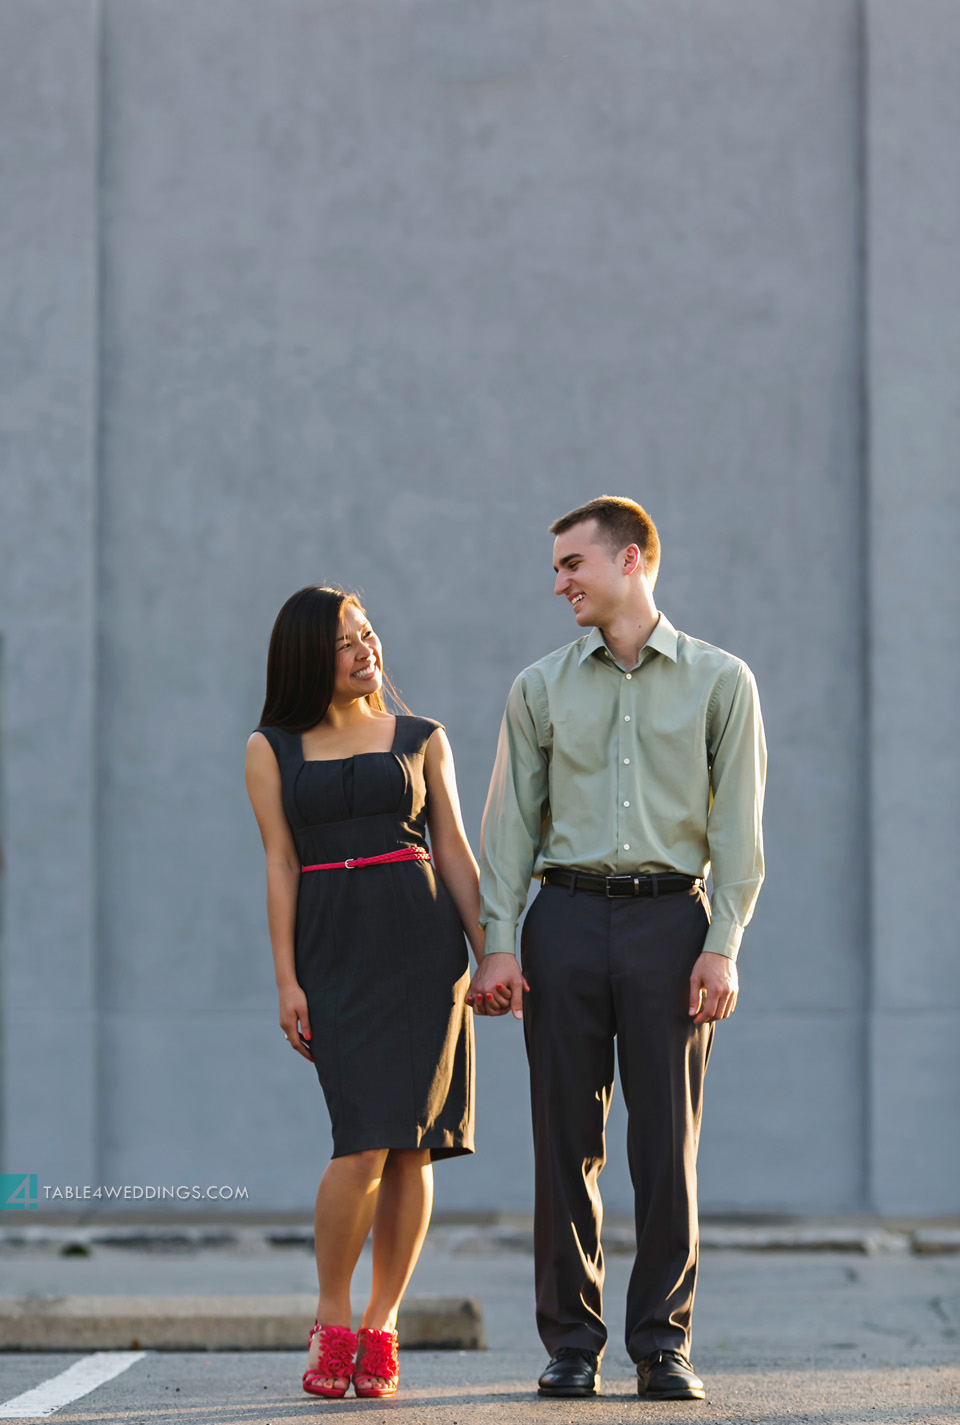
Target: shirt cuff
{"x": 500, "y": 937}
{"x": 723, "y": 938}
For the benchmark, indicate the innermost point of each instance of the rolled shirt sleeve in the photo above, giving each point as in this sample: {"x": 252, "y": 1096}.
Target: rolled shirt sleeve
{"x": 738, "y": 756}
{"x": 514, "y": 817}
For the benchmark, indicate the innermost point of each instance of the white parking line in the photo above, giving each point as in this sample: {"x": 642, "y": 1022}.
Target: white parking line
{"x": 79, "y": 1379}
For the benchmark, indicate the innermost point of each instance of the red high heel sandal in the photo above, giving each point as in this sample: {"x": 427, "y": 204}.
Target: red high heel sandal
{"x": 377, "y": 1363}
{"x": 338, "y": 1346}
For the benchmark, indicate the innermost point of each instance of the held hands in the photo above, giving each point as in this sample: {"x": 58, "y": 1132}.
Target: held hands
{"x": 498, "y": 986}
{"x": 713, "y": 988}
{"x": 295, "y": 1019}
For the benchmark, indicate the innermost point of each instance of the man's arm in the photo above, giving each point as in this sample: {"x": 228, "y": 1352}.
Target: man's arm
{"x": 509, "y": 838}
{"x": 735, "y": 838}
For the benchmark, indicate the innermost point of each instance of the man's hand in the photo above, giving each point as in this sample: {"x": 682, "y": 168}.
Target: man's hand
{"x": 498, "y": 986}
{"x": 713, "y": 988}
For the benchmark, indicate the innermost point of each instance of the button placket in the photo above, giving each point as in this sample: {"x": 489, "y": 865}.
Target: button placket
{"x": 624, "y": 841}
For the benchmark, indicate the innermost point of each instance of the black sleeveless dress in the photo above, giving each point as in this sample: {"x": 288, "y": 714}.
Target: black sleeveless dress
{"x": 380, "y": 951}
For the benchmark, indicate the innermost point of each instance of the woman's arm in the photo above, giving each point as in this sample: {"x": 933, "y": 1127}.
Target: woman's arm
{"x": 283, "y": 884}
{"x": 449, "y": 848}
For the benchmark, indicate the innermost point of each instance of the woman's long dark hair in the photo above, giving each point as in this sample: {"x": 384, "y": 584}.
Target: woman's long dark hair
{"x": 301, "y": 662}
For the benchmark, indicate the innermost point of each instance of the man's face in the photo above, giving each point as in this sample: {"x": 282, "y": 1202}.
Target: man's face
{"x": 589, "y": 576}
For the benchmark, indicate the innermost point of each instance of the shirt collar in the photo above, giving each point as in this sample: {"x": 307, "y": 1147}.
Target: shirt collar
{"x": 591, "y": 643}
{"x": 663, "y": 639}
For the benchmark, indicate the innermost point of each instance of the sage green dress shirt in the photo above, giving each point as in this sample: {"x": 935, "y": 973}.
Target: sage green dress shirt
{"x": 659, "y": 767}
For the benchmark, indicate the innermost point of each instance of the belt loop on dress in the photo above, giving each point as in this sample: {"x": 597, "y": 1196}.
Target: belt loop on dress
{"x": 653, "y": 882}
{"x": 573, "y": 883}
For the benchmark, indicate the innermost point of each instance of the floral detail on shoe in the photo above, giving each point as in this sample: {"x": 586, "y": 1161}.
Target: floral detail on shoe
{"x": 338, "y": 1346}
{"x": 377, "y": 1363}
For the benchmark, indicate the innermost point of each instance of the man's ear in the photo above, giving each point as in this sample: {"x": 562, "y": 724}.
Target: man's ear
{"x": 632, "y": 559}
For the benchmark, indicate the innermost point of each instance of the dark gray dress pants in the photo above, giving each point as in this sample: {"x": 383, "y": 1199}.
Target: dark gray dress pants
{"x": 601, "y": 970}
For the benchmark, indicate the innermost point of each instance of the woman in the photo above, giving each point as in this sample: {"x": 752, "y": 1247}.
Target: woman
{"x": 371, "y": 965}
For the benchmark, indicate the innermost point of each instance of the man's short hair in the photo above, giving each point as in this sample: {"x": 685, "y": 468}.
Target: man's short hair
{"x": 620, "y": 522}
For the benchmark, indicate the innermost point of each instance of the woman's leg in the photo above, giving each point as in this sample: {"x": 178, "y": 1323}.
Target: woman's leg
{"x": 346, "y": 1204}
{"x": 399, "y": 1227}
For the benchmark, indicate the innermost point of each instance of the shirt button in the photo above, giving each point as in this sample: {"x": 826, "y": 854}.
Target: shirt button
{"x": 629, "y": 676}
{"x": 626, "y": 846}
{"x": 626, "y": 717}
{"x": 626, "y": 761}
{"x": 626, "y": 804}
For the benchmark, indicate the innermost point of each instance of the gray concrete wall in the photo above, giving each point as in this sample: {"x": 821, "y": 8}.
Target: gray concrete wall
{"x": 48, "y": 375}
{"x": 384, "y": 288}
{"x": 914, "y": 185}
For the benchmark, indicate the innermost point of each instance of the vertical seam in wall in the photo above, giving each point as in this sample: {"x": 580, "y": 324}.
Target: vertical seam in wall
{"x": 95, "y": 584}
{"x": 4, "y": 1074}
{"x": 866, "y": 597}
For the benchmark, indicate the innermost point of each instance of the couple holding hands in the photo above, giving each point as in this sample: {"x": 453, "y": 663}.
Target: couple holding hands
{"x": 629, "y": 763}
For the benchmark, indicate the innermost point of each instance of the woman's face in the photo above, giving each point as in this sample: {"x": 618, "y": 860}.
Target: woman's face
{"x": 359, "y": 670}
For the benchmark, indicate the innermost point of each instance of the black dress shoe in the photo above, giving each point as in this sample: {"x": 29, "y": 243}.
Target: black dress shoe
{"x": 668, "y": 1375}
{"x": 571, "y": 1372}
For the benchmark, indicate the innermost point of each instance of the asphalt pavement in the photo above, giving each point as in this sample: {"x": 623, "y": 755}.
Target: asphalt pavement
{"x": 780, "y": 1336}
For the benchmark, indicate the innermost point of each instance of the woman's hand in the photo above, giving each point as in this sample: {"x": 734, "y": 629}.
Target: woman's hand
{"x": 295, "y": 1019}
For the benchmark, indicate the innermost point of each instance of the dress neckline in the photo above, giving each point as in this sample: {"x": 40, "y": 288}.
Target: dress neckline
{"x": 310, "y": 761}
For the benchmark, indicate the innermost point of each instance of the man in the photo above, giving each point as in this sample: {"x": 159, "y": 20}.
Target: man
{"x": 630, "y": 763}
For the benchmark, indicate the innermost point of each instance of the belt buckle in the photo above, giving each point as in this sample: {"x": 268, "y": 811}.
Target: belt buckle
{"x": 606, "y": 886}
{"x": 618, "y": 895}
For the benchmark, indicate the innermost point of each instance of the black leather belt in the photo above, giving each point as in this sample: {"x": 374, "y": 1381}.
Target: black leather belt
{"x": 614, "y": 887}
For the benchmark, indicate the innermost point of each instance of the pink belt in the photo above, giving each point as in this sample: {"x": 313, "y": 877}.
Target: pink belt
{"x": 406, "y": 853}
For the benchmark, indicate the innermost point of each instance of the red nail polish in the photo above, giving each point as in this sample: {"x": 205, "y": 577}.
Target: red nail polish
{"x": 499, "y": 987}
